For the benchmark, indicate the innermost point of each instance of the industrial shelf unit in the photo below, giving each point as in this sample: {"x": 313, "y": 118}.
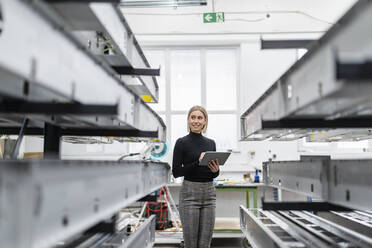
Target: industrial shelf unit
{"x": 51, "y": 65}
{"x": 328, "y": 88}
{"x": 46, "y": 201}
{"x": 325, "y": 96}
{"x": 67, "y": 69}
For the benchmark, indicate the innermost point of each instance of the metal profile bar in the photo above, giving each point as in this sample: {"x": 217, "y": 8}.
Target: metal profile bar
{"x": 354, "y": 220}
{"x": 83, "y": 1}
{"x": 65, "y": 80}
{"x": 318, "y": 123}
{"x": 296, "y": 229}
{"x": 110, "y": 23}
{"x": 344, "y": 183}
{"x": 303, "y": 206}
{"x": 88, "y": 131}
{"x": 353, "y": 237}
{"x": 52, "y": 141}
{"x": 311, "y": 93}
{"x": 354, "y": 71}
{"x": 252, "y": 229}
{"x": 309, "y": 176}
{"x": 263, "y": 229}
{"x": 20, "y": 138}
{"x": 126, "y": 70}
{"x": 57, "y": 108}
{"x": 109, "y": 132}
{"x": 285, "y": 44}
{"x": 157, "y": 3}
{"x": 67, "y": 197}
{"x": 142, "y": 237}
{"x": 16, "y": 130}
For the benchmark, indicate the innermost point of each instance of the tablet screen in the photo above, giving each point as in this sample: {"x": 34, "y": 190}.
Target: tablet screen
{"x": 208, "y": 156}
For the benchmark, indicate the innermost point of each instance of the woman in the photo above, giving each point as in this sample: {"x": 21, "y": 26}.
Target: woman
{"x": 198, "y": 195}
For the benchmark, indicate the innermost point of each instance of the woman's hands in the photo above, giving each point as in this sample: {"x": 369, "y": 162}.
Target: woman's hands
{"x": 214, "y": 165}
{"x": 201, "y": 156}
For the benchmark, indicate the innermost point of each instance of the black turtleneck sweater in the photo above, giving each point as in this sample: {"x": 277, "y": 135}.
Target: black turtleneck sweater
{"x": 186, "y": 158}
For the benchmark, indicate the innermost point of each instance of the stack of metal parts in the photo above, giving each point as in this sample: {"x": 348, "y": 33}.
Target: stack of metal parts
{"x": 304, "y": 229}
{"x": 67, "y": 69}
{"x": 58, "y": 74}
{"x": 338, "y": 215}
{"x": 325, "y": 97}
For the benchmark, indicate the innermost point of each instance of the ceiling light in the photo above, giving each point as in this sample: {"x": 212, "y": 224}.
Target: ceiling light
{"x": 161, "y": 3}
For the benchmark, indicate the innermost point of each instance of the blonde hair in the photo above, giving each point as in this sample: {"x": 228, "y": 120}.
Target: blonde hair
{"x": 201, "y": 109}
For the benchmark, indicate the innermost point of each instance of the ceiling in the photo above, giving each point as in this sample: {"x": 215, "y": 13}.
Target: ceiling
{"x": 242, "y": 17}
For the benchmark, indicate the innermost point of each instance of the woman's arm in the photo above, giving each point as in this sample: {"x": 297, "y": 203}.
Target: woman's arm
{"x": 178, "y": 169}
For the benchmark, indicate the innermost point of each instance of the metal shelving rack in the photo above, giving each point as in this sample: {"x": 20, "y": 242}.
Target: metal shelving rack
{"x": 325, "y": 96}
{"x": 41, "y": 72}
{"x": 73, "y": 68}
{"x": 327, "y": 89}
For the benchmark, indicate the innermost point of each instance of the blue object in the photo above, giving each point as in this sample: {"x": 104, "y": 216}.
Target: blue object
{"x": 160, "y": 150}
{"x": 256, "y": 177}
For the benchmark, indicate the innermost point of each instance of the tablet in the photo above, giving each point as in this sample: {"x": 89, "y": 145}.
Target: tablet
{"x": 208, "y": 156}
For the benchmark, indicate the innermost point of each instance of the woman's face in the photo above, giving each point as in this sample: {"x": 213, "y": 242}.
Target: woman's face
{"x": 196, "y": 121}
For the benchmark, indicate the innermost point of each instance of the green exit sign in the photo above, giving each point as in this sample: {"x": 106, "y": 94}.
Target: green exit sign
{"x": 213, "y": 17}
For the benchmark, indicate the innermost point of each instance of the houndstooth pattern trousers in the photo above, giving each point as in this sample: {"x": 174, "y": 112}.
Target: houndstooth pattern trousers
{"x": 197, "y": 208}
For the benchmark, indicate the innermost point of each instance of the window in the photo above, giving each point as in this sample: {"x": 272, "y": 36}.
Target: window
{"x": 221, "y": 79}
{"x": 179, "y": 127}
{"x": 223, "y": 130}
{"x": 185, "y": 79}
{"x": 206, "y": 77}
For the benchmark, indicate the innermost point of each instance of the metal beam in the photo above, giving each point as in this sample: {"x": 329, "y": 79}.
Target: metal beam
{"x": 65, "y": 82}
{"x": 354, "y": 71}
{"x": 286, "y": 44}
{"x": 52, "y": 141}
{"x": 162, "y": 3}
{"x": 341, "y": 182}
{"x": 303, "y": 206}
{"x": 319, "y": 123}
{"x": 57, "y": 108}
{"x": 20, "y": 138}
{"x": 88, "y": 131}
{"x": 83, "y": 1}
{"x": 125, "y": 70}
{"x": 319, "y": 90}
{"x": 142, "y": 237}
{"x": 265, "y": 230}
{"x": 63, "y": 198}
{"x": 269, "y": 229}
{"x": 116, "y": 132}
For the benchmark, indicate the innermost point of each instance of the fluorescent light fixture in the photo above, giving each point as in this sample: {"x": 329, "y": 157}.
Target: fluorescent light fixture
{"x": 161, "y": 3}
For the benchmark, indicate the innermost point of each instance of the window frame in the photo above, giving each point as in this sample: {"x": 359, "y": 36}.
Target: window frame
{"x": 168, "y": 113}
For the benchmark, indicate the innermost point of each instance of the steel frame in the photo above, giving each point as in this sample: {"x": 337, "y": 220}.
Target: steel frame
{"x": 29, "y": 74}
{"x": 71, "y": 131}
{"x": 328, "y": 88}
{"x": 341, "y": 182}
{"x": 142, "y": 237}
{"x": 263, "y": 230}
{"x": 286, "y": 44}
{"x": 296, "y": 229}
{"x": 106, "y": 18}
{"x": 42, "y": 202}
